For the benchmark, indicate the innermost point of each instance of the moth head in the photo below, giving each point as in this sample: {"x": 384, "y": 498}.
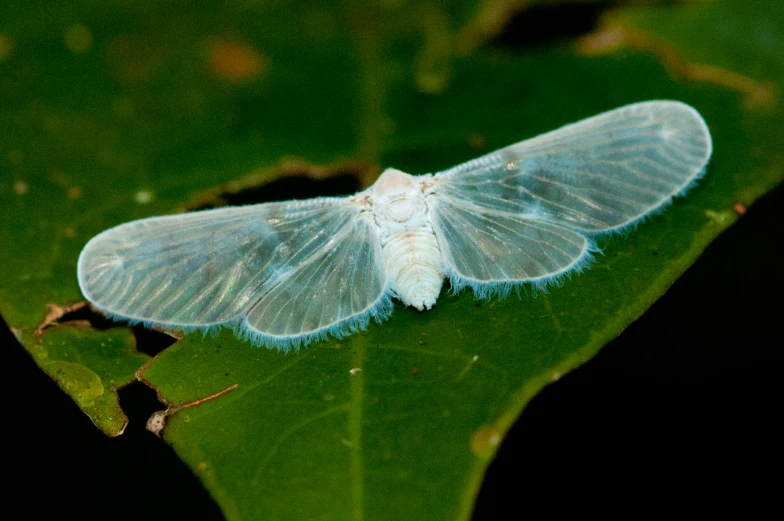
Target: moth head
{"x": 393, "y": 181}
{"x": 396, "y": 195}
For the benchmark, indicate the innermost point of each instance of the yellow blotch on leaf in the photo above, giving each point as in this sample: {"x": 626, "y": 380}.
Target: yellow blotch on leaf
{"x": 6, "y": 47}
{"x": 484, "y": 441}
{"x": 78, "y": 38}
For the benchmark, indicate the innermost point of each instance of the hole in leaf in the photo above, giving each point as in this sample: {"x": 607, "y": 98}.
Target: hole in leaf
{"x": 292, "y": 181}
{"x": 297, "y": 187}
{"x": 139, "y": 402}
{"x": 545, "y": 24}
{"x": 148, "y": 341}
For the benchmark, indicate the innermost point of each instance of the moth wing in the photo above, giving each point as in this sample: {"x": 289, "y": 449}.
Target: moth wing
{"x": 597, "y": 175}
{"x": 491, "y": 251}
{"x": 335, "y": 292}
{"x": 214, "y": 267}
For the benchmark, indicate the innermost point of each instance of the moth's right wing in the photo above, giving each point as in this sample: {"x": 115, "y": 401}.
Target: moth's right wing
{"x": 488, "y": 250}
{"x": 526, "y": 213}
{"x": 290, "y": 271}
{"x": 597, "y": 175}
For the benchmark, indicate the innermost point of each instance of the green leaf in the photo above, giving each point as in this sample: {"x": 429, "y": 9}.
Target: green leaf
{"x": 90, "y": 366}
{"x": 115, "y": 112}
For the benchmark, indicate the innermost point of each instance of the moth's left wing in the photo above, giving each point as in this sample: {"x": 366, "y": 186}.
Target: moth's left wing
{"x": 282, "y": 273}
{"x": 334, "y": 292}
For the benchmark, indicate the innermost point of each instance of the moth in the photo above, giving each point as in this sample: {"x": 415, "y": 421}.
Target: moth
{"x": 285, "y": 274}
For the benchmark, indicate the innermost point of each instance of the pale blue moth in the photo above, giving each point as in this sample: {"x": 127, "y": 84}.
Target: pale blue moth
{"x": 288, "y": 273}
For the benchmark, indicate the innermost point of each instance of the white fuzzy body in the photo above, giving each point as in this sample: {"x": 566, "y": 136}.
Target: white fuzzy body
{"x": 409, "y": 245}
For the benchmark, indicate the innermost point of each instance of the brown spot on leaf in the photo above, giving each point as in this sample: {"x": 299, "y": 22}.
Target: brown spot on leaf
{"x": 739, "y": 208}
{"x": 55, "y": 316}
{"x": 234, "y": 61}
{"x": 477, "y": 142}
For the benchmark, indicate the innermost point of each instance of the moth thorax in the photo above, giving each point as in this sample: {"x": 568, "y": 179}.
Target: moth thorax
{"x": 397, "y": 197}
{"x": 414, "y": 262}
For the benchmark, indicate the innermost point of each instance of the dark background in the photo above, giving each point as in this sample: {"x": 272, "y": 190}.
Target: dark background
{"x": 680, "y": 414}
